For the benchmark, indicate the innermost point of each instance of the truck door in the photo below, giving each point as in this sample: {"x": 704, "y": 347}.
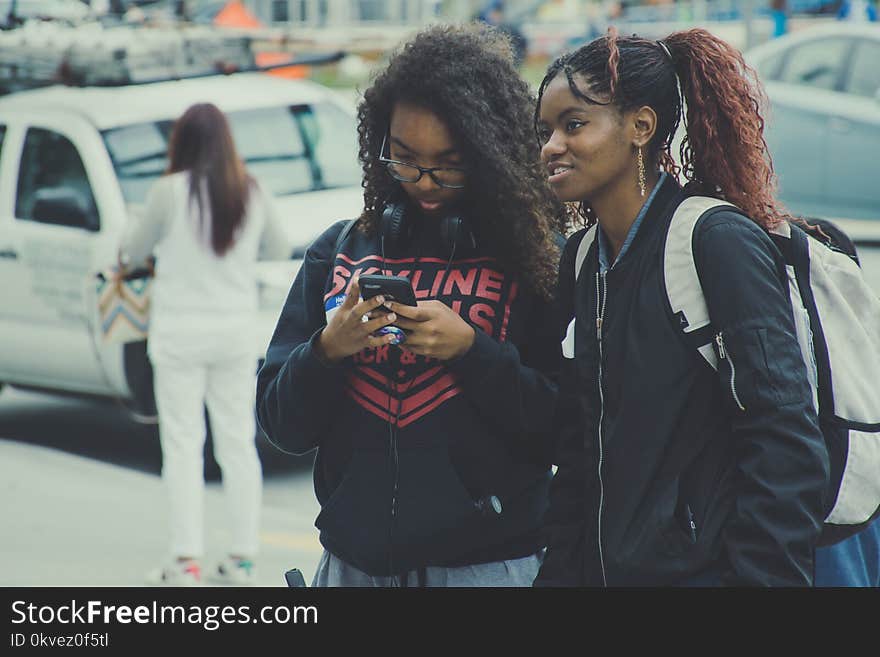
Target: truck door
{"x": 51, "y": 230}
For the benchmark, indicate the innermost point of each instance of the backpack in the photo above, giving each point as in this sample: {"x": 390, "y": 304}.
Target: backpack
{"x": 837, "y": 321}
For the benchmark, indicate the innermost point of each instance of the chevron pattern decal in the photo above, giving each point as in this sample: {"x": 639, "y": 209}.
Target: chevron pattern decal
{"x": 123, "y": 307}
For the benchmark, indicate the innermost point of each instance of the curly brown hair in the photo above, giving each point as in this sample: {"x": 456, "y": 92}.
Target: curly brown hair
{"x": 466, "y": 76}
{"x": 723, "y": 153}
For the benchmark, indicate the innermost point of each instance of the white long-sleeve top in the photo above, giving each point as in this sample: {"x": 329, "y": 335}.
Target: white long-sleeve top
{"x": 195, "y": 289}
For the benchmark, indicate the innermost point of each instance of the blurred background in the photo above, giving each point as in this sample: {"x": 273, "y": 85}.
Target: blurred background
{"x": 88, "y": 95}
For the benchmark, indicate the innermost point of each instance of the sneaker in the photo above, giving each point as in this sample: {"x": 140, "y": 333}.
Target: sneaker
{"x": 233, "y": 572}
{"x": 177, "y": 573}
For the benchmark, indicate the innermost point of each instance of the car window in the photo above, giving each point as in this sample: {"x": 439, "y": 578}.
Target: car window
{"x": 816, "y": 64}
{"x": 53, "y": 186}
{"x": 864, "y": 72}
{"x": 288, "y": 149}
{"x": 768, "y": 68}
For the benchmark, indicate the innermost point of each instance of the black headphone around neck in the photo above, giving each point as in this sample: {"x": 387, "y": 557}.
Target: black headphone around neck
{"x": 396, "y": 230}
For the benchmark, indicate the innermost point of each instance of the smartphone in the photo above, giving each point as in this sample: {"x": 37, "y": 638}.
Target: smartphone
{"x": 294, "y": 578}
{"x": 396, "y": 288}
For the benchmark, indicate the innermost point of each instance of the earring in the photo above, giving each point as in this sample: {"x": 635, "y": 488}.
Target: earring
{"x": 641, "y": 172}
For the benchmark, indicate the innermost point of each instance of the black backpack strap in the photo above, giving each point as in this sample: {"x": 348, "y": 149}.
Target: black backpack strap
{"x": 831, "y": 235}
{"x": 337, "y": 246}
{"x": 343, "y": 235}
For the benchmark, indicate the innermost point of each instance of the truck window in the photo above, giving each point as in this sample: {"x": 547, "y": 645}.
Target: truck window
{"x": 53, "y": 186}
{"x": 139, "y": 155}
{"x": 289, "y": 149}
{"x": 272, "y": 147}
{"x": 332, "y": 144}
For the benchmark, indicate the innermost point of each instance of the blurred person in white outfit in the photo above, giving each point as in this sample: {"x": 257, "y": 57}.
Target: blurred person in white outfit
{"x": 207, "y": 222}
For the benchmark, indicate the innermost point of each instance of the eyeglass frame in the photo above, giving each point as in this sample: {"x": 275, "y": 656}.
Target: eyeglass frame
{"x": 422, "y": 170}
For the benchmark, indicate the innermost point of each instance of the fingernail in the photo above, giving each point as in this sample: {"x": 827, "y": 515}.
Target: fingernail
{"x": 380, "y": 299}
{"x": 392, "y": 317}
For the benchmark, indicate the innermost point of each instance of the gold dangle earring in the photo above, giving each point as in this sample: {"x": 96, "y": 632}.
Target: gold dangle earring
{"x": 641, "y": 172}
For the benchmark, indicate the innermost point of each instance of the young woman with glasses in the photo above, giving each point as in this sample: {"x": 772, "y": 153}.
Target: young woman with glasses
{"x": 432, "y": 466}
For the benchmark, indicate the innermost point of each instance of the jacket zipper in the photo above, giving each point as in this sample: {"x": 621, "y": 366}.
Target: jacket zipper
{"x": 723, "y": 354}
{"x": 395, "y": 462}
{"x": 601, "y": 297}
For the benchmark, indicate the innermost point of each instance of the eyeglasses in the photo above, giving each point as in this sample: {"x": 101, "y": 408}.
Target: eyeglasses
{"x": 447, "y": 177}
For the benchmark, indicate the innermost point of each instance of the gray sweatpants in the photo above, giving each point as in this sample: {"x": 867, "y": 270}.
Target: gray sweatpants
{"x": 333, "y": 571}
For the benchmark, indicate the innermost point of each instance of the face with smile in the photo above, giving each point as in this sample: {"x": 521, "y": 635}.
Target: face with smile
{"x": 587, "y": 148}
{"x": 418, "y": 136}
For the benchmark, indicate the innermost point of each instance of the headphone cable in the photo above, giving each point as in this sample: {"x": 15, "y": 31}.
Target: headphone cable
{"x": 393, "y": 427}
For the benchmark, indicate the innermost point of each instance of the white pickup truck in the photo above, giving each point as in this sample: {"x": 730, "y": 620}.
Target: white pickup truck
{"x": 76, "y": 163}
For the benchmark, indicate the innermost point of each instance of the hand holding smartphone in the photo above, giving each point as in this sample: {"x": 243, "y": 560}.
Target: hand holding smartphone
{"x": 395, "y": 288}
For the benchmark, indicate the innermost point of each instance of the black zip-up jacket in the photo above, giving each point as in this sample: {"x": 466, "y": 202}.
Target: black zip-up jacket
{"x": 409, "y": 485}
{"x": 669, "y": 470}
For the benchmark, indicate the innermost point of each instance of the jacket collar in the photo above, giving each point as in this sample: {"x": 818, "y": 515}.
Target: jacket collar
{"x": 605, "y": 247}
{"x": 668, "y": 194}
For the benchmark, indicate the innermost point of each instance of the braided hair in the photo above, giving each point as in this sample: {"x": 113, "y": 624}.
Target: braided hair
{"x": 723, "y": 152}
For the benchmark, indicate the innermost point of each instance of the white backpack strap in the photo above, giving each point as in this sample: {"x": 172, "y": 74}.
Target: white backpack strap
{"x": 680, "y": 275}
{"x": 782, "y": 229}
{"x": 586, "y": 241}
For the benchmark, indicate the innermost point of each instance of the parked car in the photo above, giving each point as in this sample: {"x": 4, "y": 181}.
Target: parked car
{"x": 75, "y": 166}
{"x": 823, "y": 127}
{"x": 824, "y": 120}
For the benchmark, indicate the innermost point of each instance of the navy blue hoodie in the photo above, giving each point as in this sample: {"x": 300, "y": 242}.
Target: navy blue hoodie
{"x": 413, "y": 451}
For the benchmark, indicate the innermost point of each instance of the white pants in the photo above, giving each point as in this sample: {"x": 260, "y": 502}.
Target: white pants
{"x": 188, "y": 375}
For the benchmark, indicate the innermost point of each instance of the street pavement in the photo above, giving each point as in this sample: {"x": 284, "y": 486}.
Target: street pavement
{"x": 97, "y": 517}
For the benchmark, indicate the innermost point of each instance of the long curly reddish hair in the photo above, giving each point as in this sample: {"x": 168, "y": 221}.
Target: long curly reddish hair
{"x": 723, "y": 153}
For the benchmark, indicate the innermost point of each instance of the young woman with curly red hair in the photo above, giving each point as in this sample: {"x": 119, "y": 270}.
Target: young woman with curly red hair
{"x": 671, "y": 473}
